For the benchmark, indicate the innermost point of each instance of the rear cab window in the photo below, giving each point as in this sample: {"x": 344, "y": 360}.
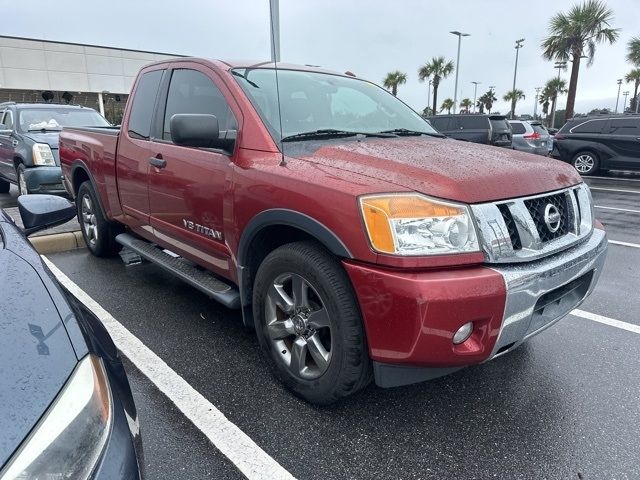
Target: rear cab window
{"x": 500, "y": 124}
{"x": 144, "y": 102}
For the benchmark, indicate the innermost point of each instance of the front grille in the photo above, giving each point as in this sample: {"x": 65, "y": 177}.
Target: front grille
{"x": 537, "y": 206}
{"x": 511, "y": 227}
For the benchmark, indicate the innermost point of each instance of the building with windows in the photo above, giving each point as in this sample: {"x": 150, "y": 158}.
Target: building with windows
{"x": 39, "y": 71}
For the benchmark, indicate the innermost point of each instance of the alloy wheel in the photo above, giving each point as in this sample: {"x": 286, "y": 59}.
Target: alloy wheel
{"x": 584, "y": 163}
{"x": 298, "y": 326}
{"x": 89, "y": 221}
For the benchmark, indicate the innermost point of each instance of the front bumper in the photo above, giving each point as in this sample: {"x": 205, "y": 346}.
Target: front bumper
{"x": 44, "y": 180}
{"x": 410, "y": 318}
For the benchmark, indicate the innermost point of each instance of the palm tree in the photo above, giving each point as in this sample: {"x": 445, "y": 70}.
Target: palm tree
{"x": 465, "y": 105}
{"x": 438, "y": 68}
{"x": 634, "y": 76}
{"x": 575, "y": 33}
{"x": 447, "y": 105}
{"x": 393, "y": 79}
{"x": 552, "y": 89}
{"x": 513, "y": 96}
{"x": 633, "y": 51}
{"x": 487, "y": 100}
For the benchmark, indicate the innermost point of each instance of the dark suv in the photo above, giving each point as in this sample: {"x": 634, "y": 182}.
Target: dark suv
{"x": 477, "y": 128}
{"x": 29, "y": 143}
{"x": 600, "y": 143}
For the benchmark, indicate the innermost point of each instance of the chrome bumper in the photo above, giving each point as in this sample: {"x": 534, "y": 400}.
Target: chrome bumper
{"x": 541, "y": 292}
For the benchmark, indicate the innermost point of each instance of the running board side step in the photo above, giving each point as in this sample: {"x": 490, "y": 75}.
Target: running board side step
{"x": 205, "y": 282}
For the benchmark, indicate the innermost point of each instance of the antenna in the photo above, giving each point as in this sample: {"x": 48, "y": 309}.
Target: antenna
{"x": 274, "y": 16}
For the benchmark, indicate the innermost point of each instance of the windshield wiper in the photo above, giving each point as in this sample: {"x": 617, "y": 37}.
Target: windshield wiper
{"x": 45, "y": 129}
{"x": 332, "y": 133}
{"x": 404, "y": 132}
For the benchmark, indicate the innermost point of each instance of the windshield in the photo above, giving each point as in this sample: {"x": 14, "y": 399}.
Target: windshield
{"x": 55, "y": 118}
{"x": 312, "y": 101}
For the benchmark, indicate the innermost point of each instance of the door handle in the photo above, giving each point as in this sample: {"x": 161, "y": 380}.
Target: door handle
{"x": 158, "y": 161}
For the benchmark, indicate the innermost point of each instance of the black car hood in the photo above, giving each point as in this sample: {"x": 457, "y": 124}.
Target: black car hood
{"x": 36, "y": 353}
{"x": 52, "y": 138}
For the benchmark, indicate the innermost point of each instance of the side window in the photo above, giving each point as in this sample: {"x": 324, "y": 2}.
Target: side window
{"x": 517, "y": 128}
{"x": 590, "y": 126}
{"x": 625, "y": 126}
{"x": 144, "y": 100}
{"x": 8, "y": 119}
{"x": 473, "y": 123}
{"x": 191, "y": 91}
{"x": 441, "y": 124}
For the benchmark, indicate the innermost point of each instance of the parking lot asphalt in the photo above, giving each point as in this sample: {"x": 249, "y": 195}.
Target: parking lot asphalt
{"x": 564, "y": 405}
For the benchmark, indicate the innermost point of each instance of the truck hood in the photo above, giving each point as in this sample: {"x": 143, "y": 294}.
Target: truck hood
{"x": 52, "y": 138}
{"x": 36, "y": 354}
{"x": 443, "y": 168}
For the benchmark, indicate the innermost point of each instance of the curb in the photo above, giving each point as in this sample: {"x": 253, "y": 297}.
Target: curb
{"x": 57, "y": 242}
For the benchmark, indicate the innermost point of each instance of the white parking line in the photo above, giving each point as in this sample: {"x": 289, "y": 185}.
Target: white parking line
{"x": 624, "y": 244}
{"x": 629, "y": 327}
{"x": 232, "y": 442}
{"x": 630, "y": 210}
{"x": 614, "y": 190}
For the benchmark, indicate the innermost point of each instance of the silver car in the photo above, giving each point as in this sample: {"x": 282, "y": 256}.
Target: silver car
{"x": 530, "y": 137}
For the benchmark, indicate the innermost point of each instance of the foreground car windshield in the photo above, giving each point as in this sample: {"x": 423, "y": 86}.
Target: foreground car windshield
{"x": 312, "y": 101}
{"x": 55, "y": 118}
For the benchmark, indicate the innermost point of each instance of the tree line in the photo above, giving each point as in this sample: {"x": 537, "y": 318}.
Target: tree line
{"x": 572, "y": 37}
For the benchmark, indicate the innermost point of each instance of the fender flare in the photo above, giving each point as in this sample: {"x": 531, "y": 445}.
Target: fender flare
{"x": 290, "y": 218}
{"x": 80, "y": 165}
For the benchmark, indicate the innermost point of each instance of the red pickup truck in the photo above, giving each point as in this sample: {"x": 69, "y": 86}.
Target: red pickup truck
{"x": 357, "y": 240}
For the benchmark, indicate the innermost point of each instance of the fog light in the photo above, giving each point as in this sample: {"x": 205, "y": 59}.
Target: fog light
{"x": 463, "y": 333}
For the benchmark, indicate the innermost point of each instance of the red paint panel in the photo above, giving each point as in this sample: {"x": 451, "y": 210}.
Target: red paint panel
{"x": 410, "y": 318}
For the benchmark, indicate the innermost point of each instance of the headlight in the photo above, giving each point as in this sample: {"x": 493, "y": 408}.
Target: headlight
{"x": 42, "y": 155}
{"x": 68, "y": 440}
{"x": 414, "y": 224}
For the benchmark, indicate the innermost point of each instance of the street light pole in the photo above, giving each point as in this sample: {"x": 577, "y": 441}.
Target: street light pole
{"x": 515, "y": 73}
{"x": 535, "y": 105}
{"x": 491, "y": 89}
{"x": 618, "y": 97}
{"x": 475, "y": 93}
{"x": 455, "y": 93}
{"x": 559, "y": 66}
{"x": 274, "y": 13}
{"x": 626, "y": 94}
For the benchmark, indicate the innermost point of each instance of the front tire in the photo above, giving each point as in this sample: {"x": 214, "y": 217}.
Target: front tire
{"x": 309, "y": 324}
{"x": 23, "y": 189}
{"x": 586, "y": 163}
{"x": 99, "y": 235}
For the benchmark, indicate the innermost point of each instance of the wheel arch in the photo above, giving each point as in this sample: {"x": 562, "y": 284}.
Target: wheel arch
{"x": 269, "y": 230}
{"x": 80, "y": 174}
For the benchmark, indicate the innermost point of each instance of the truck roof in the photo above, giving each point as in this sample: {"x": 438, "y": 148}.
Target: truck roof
{"x": 231, "y": 64}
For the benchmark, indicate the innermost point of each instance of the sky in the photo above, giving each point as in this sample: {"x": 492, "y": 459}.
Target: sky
{"x": 367, "y": 37}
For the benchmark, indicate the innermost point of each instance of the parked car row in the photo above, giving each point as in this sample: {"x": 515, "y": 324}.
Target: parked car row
{"x": 29, "y": 143}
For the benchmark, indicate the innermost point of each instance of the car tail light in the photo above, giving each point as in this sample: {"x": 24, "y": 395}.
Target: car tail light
{"x": 533, "y": 136}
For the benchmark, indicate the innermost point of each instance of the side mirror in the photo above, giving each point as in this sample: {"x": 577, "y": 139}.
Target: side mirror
{"x": 198, "y": 130}
{"x": 43, "y": 211}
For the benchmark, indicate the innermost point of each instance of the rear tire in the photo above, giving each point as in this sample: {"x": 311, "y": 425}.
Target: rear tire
{"x": 99, "y": 235}
{"x": 586, "y": 163}
{"x": 305, "y": 309}
{"x": 4, "y": 186}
